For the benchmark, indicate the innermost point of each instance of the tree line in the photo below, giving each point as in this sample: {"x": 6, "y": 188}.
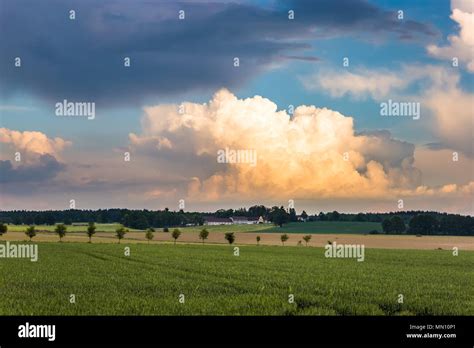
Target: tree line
{"x": 430, "y": 224}
{"x": 410, "y": 222}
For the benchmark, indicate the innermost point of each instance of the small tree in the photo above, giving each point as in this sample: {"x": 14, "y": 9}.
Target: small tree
{"x": 284, "y": 238}
{"x": 60, "y": 231}
{"x": 149, "y": 235}
{"x": 175, "y": 234}
{"x": 91, "y": 231}
{"x": 307, "y": 238}
{"x": 30, "y": 232}
{"x": 258, "y": 240}
{"x": 166, "y": 229}
{"x": 203, "y": 235}
{"x": 280, "y": 216}
{"x": 120, "y": 233}
{"x": 230, "y": 237}
{"x": 3, "y": 228}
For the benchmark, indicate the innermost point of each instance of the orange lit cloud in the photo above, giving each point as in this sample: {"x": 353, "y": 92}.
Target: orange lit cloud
{"x": 32, "y": 143}
{"x": 313, "y": 154}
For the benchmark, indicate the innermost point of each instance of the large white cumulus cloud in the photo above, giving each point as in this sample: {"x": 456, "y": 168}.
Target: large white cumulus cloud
{"x": 460, "y": 46}
{"x": 313, "y": 154}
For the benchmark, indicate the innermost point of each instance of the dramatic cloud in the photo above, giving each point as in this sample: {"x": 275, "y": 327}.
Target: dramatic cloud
{"x": 83, "y": 59}
{"x": 28, "y": 158}
{"x": 32, "y": 143}
{"x": 331, "y": 18}
{"x": 46, "y": 168}
{"x": 313, "y": 154}
{"x": 460, "y": 46}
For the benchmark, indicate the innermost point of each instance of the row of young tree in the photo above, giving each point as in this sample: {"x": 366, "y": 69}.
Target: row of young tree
{"x": 60, "y": 230}
{"x": 121, "y": 231}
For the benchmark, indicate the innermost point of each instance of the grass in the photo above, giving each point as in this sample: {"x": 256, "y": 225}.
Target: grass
{"x": 215, "y": 282}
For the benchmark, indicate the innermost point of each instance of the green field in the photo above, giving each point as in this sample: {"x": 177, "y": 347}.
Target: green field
{"x": 70, "y": 228}
{"x": 227, "y": 228}
{"x": 326, "y": 227}
{"x": 215, "y": 282}
{"x": 331, "y": 227}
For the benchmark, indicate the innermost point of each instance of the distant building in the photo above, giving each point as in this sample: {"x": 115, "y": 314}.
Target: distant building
{"x": 253, "y": 220}
{"x": 234, "y": 220}
{"x": 240, "y": 220}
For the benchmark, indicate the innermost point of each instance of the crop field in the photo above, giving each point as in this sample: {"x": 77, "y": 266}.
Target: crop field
{"x": 216, "y": 282}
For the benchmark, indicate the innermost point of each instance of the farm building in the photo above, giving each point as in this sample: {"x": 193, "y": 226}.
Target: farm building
{"x": 234, "y": 220}
{"x": 211, "y": 220}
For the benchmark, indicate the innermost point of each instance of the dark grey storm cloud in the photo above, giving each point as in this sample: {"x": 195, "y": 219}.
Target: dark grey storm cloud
{"x": 47, "y": 167}
{"x": 82, "y": 59}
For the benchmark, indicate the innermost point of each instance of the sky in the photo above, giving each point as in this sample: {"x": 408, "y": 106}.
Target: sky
{"x": 227, "y": 104}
